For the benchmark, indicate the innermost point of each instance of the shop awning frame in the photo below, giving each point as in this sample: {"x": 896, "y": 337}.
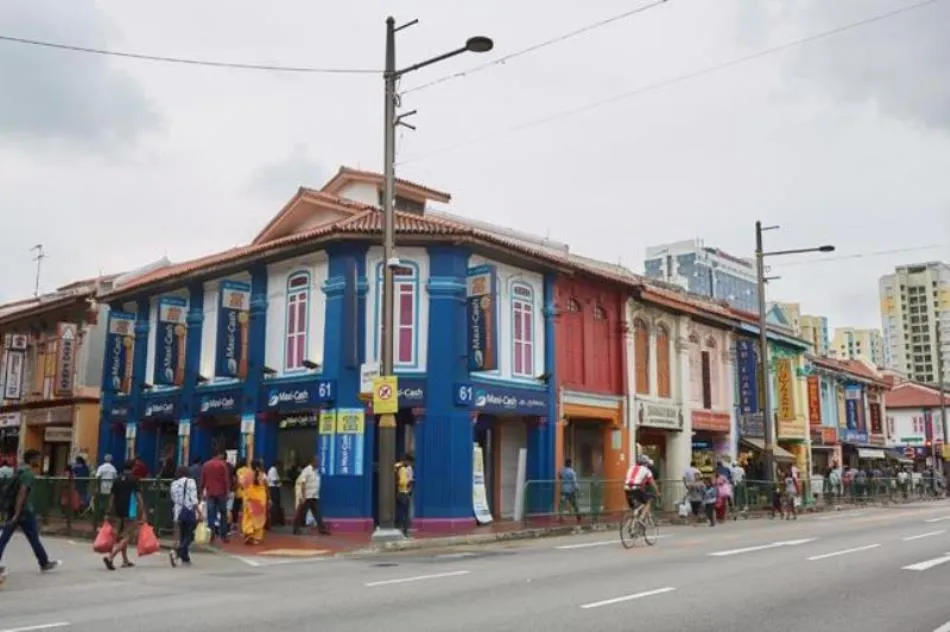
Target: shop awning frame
{"x": 871, "y": 454}
{"x": 780, "y": 453}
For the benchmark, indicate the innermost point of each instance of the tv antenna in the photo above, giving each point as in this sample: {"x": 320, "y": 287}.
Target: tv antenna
{"x": 38, "y": 258}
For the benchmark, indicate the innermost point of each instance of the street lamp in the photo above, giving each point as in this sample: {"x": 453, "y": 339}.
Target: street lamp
{"x": 386, "y": 429}
{"x": 767, "y": 420}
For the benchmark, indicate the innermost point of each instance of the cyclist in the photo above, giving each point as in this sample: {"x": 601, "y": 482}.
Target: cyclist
{"x": 640, "y": 486}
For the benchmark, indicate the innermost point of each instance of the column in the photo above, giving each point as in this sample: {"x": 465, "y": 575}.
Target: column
{"x": 144, "y": 441}
{"x": 194, "y": 447}
{"x": 651, "y": 351}
{"x": 728, "y": 393}
{"x": 630, "y": 384}
{"x": 680, "y": 448}
{"x": 347, "y": 500}
{"x": 444, "y": 437}
{"x": 264, "y": 439}
{"x": 542, "y": 436}
{"x": 106, "y": 399}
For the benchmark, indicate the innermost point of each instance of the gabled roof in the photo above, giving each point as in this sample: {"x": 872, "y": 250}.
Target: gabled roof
{"x": 307, "y": 203}
{"x": 913, "y": 395}
{"x": 347, "y": 175}
{"x": 854, "y": 368}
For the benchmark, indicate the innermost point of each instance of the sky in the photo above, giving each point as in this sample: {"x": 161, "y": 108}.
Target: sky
{"x": 642, "y": 131}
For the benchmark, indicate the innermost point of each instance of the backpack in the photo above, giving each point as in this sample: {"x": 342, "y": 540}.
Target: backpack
{"x": 9, "y": 490}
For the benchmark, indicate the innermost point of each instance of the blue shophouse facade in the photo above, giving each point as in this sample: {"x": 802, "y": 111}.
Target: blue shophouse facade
{"x": 261, "y": 351}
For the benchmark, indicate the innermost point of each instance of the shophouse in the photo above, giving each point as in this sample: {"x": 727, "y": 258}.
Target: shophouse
{"x": 789, "y": 395}
{"x": 826, "y": 410}
{"x": 51, "y": 359}
{"x": 913, "y": 423}
{"x": 680, "y": 379}
{"x": 261, "y": 350}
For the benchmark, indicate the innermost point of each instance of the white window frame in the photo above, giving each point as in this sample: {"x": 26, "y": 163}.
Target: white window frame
{"x": 293, "y": 298}
{"x": 523, "y": 307}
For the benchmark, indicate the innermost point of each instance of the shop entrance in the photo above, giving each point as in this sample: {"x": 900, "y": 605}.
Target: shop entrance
{"x": 405, "y": 444}
{"x": 653, "y": 444}
{"x": 584, "y": 445}
{"x": 501, "y": 440}
{"x": 56, "y": 459}
{"x": 297, "y": 441}
{"x": 224, "y": 433}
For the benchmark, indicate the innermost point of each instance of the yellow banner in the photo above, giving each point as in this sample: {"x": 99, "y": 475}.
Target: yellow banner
{"x": 350, "y": 421}
{"x": 327, "y": 422}
{"x": 791, "y": 428}
{"x": 785, "y": 390}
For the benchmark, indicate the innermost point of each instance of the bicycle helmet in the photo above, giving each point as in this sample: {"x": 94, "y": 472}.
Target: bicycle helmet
{"x": 645, "y": 460}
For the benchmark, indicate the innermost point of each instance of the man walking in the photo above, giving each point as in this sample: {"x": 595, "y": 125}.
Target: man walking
{"x": 216, "y": 483}
{"x": 18, "y": 509}
{"x": 405, "y": 481}
{"x": 127, "y": 505}
{"x": 308, "y": 495}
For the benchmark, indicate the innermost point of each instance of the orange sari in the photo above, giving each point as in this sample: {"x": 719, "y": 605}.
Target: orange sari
{"x": 254, "y": 514}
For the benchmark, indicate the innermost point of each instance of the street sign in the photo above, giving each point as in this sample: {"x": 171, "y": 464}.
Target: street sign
{"x": 909, "y": 452}
{"x": 385, "y": 395}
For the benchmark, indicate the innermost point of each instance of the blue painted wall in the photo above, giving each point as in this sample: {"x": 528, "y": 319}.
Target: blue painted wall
{"x": 145, "y": 439}
{"x": 265, "y": 434}
{"x": 199, "y": 442}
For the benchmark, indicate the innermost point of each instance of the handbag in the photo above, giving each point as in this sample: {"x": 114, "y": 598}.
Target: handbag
{"x": 187, "y": 514}
{"x": 202, "y": 533}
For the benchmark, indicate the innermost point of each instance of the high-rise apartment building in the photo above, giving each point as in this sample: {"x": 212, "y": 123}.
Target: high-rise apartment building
{"x": 709, "y": 272}
{"x": 853, "y": 344}
{"x": 915, "y": 315}
{"x": 814, "y": 329}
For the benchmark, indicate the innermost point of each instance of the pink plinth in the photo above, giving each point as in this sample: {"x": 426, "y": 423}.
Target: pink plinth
{"x": 443, "y": 525}
{"x": 350, "y": 525}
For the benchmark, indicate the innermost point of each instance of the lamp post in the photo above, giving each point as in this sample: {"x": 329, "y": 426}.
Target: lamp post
{"x": 767, "y": 420}
{"x": 386, "y": 429}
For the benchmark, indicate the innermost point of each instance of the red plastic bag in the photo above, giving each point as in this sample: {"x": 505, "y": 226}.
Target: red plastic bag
{"x": 105, "y": 539}
{"x": 148, "y": 541}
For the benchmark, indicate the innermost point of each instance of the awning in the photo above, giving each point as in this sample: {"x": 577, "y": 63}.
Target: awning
{"x": 780, "y": 454}
{"x": 870, "y": 454}
{"x": 898, "y": 457}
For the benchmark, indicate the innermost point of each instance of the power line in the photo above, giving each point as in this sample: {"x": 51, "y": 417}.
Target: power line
{"x": 860, "y": 255}
{"x": 191, "y": 62}
{"x": 673, "y": 80}
{"x": 554, "y": 40}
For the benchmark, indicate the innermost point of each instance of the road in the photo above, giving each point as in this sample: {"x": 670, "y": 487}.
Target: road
{"x": 882, "y": 569}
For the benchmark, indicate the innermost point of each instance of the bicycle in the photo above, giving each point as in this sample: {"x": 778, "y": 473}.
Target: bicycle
{"x": 637, "y": 523}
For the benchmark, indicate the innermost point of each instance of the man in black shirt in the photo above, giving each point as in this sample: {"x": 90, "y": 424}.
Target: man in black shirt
{"x": 127, "y": 505}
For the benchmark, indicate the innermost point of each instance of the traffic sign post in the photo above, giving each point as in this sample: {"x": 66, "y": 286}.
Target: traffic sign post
{"x": 385, "y": 395}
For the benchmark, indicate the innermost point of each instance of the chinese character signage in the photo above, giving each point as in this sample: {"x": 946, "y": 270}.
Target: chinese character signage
{"x": 814, "y": 400}
{"x": 170, "y": 341}
{"x": 784, "y": 389}
{"x": 348, "y": 442}
{"x": 747, "y": 367}
{"x": 877, "y": 427}
{"x": 327, "y": 434}
{"x": 482, "y": 321}
{"x": 119, "y": 350}
{"x": 13, "y": 374}
{"x": 233, "y": 327}
{"x": 852, "y": 402}
{"x": 68, "y": 334}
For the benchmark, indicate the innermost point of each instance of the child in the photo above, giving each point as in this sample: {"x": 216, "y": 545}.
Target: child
{"x": 710, "y": 498}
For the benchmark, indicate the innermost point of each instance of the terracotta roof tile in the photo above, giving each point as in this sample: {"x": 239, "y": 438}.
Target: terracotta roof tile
{"x": 336, "y": 182}
{"x": 911, "y": 395}
{"x": 855, "y": 368}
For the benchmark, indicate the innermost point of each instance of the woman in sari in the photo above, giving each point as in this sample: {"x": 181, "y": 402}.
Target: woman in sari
{"x": 254, "y": 511}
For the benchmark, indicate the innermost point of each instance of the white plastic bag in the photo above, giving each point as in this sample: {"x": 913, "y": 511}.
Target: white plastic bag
{"x": 309, "y": 520}
{"x": 684, "y": 509}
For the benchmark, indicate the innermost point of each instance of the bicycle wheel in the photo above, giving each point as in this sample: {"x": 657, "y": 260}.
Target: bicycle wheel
{"x": 628, "y": 530}
{"x": 650, "y": 529}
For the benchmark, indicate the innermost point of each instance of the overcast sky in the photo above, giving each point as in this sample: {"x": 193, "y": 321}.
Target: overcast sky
{"x": 112, "y": 163}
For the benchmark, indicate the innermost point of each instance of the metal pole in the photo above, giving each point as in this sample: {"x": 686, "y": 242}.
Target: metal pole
{"x": 764, "y": 358}
{"x": 943, "y": 390}
{"x": 386, "y": 428}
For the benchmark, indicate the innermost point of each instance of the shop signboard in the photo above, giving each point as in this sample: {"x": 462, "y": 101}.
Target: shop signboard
{"x": 814, "y": 400}
{"x": 170, "y": 337}
{"x": 10, "y": 420}
{"x": 656, "y": 415}
{"x": 854, "y": 437}
{"x": 348, "y": 442}
{"x": 119, "y": 411}
{"x": 874, "y": 411}
{"x": 233, "y": 329}
{"x": 784, "y": 389}
{"x": 482, "y": 318}
{"x": 746, "y": 365}
{"x": 13, "y": 374}
{"x": 68, "y": 334}
{"x": 160, "y": 407}
{"x": 287, "y": 396}
{"x": 479, "y": 490}
{"x": 795, "y": 429}
{"x": 852, "y": 402}
{"x": 120, "y": 343}
{"x": 711, "y": 421}
{"x": 220, "y": 403}
{"x": 502, "y": 400}
{"x": 751, "y": 425}
{"x": 58, "y": 434}
{"x": 327, "y": 440}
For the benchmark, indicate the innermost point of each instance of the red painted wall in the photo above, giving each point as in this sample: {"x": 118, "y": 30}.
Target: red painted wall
{"x": 588, "y": 336}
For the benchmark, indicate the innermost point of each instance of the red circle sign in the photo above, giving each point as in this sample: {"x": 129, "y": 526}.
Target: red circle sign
{"x": 384, "y": 392}
{"x": 909, "y": 452}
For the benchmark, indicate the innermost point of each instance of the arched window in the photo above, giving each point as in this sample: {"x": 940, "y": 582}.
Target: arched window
{"x": 573, "y": 348}
{"x": 641, "y": 354}
{"x": 602, "y": 348}
{"x": 298, "y": 320}
{"x": 664, "y": 383}
{"x": 698, "y": 360}
{"x": 522, "y": 330}
{"x": 405, "y": 313}
{"x": 573, "y": 306}
{"x": 600, "y": 313}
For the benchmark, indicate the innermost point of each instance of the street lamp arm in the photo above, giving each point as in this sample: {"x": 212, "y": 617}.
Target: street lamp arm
{"x": 429, "y": 62}
{"x": 797, "y": 251}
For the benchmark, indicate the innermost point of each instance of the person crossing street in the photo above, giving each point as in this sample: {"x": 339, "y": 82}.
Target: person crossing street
{"x": 17, "y": 508}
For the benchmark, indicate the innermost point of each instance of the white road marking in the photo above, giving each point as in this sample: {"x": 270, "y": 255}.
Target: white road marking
{"x": 610, "y": 602}
{"x": 944, "y": 628}
{"x": 247, "y": 560}
{"x": 453, "y": 556}
{"x": 825, "y": 556}
{"x": 940, "y": 519}
{"x": 842, "y": 516}
{"x": 762, "y": 547}
{"x": 587, "y": 545}
{"x": 417, "y": 578}
{"x": 44, "y": 626}
{"x": 927, "y": 565}
{"x": 929, "y": 534}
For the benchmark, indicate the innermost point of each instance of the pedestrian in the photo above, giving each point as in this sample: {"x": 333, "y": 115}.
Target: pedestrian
{"x": 237, "y": 485}
{"x": 127, "y": 507}
{"x": 710, "y": 500}
{"x": 405, "y": 481}
{"x": 139, "y": 469}
{"x": 791, "y": 495}
{"x": 216, "y": 486}
{"x": 254, "y": 508}
{"x": 778, "y": 494}
{"x": 569, "y": 489}
{"x": 692, "y": 480}
{"x": 16, "y": 505}
{"x": 195, "y": 470}
{"x": 273, "y": 493}
{"x": 184, "y": 496}
{"x": 307, "y": 488}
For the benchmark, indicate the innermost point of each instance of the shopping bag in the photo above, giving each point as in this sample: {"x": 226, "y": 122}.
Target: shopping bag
{"x": 202, "y": 533}
{"x": 105, "y": 539}
{"x": 684, "y": 509}
{"x": 148, "y": 541}
{"x": 309, "y": 520}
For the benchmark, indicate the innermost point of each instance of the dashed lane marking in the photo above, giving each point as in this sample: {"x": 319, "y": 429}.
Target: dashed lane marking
{"x": 762, "y": 547}
{"x": 940, "y": 519}
{"x": 42, "y": 626}
{"x": 616, "y": 600}
{"x": 928, "y": 564}
{"x": 825, "y": 556}
{"x": 921, "y": 536}
{"x": 417, "y": 578}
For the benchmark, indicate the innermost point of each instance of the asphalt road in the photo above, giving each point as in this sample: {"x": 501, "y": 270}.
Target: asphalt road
{"x": 879, "y": 569}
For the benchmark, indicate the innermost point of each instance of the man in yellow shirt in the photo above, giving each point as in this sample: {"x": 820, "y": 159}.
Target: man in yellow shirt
{"x": 405, "y": 482}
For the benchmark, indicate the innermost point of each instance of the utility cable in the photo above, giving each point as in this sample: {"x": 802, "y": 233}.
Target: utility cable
{"x": 191, "y": 62}
{"x": 672, "y": 81}
{"x": 859, "y": 255}
{"x": 549, "y": 42}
